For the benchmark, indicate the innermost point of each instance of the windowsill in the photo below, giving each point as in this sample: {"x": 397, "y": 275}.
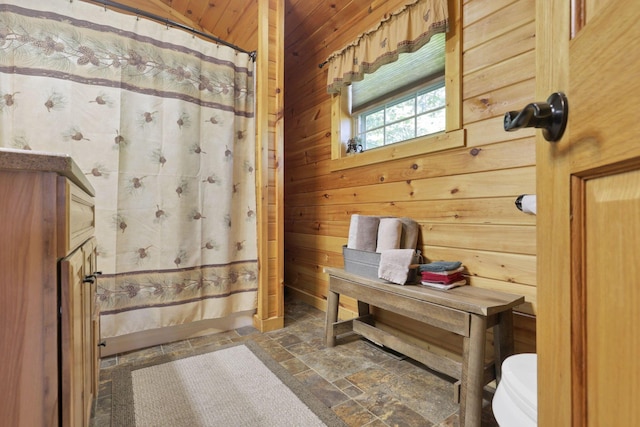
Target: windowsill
{"x": 401, "y": 150}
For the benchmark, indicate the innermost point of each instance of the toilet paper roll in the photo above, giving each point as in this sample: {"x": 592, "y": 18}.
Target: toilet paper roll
{"x": 527, "y": 203}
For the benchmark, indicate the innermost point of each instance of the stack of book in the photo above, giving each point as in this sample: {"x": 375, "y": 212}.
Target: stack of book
{"x": 442, "y": 274}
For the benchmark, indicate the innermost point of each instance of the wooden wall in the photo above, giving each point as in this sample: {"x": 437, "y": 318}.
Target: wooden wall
{"x": 234, "y": 21}
{"x": 463, "y": 198}
{"x": 270, "y": 144}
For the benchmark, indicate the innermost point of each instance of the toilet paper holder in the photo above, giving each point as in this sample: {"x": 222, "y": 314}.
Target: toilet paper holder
{"x": 527, "y": 203}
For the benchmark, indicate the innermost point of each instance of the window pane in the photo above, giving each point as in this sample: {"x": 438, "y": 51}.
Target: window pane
{"x": 400, "y": 131}
{"x": 431, "y": 122}
{"x": 431, "y": 100}
{"x": 401, "y": 110}
{"x": 418, "y": 113}
{"x": 373, "y": 139}
{"x": 374, "y": 120}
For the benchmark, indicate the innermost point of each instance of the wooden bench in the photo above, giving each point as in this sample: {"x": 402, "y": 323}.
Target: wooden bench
{"x": 466, "y": 311}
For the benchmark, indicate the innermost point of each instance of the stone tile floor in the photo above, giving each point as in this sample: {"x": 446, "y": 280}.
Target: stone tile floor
{"x": 363, "y": 384}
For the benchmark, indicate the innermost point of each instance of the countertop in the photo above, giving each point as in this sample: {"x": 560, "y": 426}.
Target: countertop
{"x": 40, "y": 161}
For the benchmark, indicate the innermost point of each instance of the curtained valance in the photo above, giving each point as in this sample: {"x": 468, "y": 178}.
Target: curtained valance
{"x": 406, "y": 30}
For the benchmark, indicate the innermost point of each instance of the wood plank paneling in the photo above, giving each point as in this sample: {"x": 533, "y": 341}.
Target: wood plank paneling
{"x": 233, "y": 21}
{"x": 511, "y": 71}
{"x": 500, "y": 48}
{"x": 503, "y": 238}
{"x": 496, "y": 210}
{"x": 462, "y": 198}
{"x": 502, "y": 21}
{"x": 497, "y": 183}
{"x": 491, "y": 131}
{"x": 331, "y": 27}
{"x": 497, "y": 102}
{"x": 513, "y": 154}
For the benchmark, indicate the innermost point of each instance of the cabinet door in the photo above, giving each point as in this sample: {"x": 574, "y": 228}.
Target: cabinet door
{"x": 89, "y": 315}
{"x": 78, "y": 333}
{"x": 72, "y": 338}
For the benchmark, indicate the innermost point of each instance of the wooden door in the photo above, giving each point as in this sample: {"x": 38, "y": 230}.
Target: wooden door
{"x": 588, "y": 187}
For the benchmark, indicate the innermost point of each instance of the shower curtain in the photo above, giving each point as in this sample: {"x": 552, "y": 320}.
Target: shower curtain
{"x": 162, "y": 124}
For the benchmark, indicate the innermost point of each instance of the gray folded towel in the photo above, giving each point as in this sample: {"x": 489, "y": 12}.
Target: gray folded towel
{"x": 394, "y": 265}
{"x": 363, "y": 232}
{"x": 440, "y": 266}
{"x": 389, "y": 234}
{"x": 410, "y": 230}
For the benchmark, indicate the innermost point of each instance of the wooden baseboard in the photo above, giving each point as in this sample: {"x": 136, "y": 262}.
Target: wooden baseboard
{"x": 314, "y": 301}
{"x": 152, "y": 337}
{"x": 319, "y": 303}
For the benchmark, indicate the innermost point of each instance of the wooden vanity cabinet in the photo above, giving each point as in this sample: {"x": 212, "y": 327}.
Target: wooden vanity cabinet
{"x": 48, "y": 317}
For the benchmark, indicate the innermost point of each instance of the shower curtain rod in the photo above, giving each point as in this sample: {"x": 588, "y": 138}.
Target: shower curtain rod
{"x": 170, "y": 23}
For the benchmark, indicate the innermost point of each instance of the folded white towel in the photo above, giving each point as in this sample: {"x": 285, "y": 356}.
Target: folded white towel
{"x": 389, "y": 234}
{"x": 410, "y": 230}
{"x": 363, "y": 232}
{"x": 394, "y": 265}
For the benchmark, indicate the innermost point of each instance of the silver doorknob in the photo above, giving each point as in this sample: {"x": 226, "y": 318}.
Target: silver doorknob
{"x": 550, "y": 116}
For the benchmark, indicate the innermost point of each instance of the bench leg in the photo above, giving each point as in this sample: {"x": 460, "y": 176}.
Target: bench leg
{"x": 332, "y": 317}
{"x": 363, "y": 309}
{"x": 473, "y": 373}
{"x": 503, "y": 340}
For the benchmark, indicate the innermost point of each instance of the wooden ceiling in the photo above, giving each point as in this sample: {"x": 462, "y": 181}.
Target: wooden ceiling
{"x": 235, "y": 21}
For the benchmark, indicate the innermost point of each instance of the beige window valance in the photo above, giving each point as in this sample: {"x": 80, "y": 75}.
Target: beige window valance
{"x": 406, "y": 30}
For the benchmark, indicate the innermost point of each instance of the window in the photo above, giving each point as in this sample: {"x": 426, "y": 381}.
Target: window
{"x": 419, "y": 113}
{"x": 402, "y": 100}
{"x": 385, "y": 122}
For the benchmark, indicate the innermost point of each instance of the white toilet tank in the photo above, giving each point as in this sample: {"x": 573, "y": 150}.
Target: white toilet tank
{"x": 515, "y": 403}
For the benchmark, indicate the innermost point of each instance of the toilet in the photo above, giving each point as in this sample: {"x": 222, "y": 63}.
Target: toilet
{"x": 515, "y": 403}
